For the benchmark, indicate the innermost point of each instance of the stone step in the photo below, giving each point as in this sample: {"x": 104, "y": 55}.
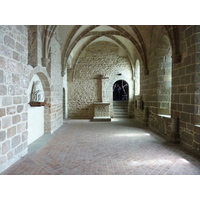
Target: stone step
{"x": 120, "y": 109}
{"x": 120, "y": 103}
{"x": 121, "y": 116}
{"x": 121, "y": 113}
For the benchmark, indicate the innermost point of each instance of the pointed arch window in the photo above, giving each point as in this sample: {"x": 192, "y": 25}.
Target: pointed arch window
{"x": 164, "y": 76}
{"x": 137, "y": 78}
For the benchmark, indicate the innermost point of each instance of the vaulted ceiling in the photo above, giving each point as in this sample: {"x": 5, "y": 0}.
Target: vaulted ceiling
{"x": 134, "y": 40}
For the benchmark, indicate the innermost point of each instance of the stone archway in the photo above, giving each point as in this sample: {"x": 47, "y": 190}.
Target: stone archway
{"x": 43, "y": 77}
{"x": 120, "y": 91}
{"x": 35, "y": 114}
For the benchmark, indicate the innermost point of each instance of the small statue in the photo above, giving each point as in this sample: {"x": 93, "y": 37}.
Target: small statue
{"x": 37, "y": 93}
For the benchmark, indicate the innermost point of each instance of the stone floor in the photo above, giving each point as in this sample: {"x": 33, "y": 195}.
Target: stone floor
{"x": 120, "y": 147}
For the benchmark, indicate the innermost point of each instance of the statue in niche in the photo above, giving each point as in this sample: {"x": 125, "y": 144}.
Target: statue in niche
{"x": 37, "y": 94}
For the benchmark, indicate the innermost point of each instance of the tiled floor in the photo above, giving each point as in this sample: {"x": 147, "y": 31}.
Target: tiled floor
{"x": 120, "y": 147}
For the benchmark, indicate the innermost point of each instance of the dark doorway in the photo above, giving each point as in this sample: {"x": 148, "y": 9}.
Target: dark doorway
{"x": 120, "y": 91}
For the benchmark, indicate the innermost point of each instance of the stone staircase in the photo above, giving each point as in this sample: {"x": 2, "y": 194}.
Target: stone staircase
{"x": 120, "y": 109}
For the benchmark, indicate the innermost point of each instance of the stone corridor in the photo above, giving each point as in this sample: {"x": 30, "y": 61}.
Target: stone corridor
{"x": 119, "y": 147}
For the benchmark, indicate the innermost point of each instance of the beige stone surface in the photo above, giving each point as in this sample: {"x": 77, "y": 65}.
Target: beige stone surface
{"x": 69, "y": 58}
{"x": 101, "y": 58}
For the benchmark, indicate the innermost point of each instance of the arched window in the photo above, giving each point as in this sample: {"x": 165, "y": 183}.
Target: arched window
{"x": 137, "y": 78}
{"x": 164, "y": 55}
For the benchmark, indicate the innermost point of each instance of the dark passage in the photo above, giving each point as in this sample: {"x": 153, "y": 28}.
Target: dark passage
{"x": 120, "y": 91}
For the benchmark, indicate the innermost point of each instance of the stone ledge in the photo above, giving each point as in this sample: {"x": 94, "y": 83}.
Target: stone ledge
{"x": 101, "y": 119}
{"x": 36, "y": 104}
{"x": 197, "y": 128}
{"x": 165, "y": 116}
{"x": 101, "y": 103}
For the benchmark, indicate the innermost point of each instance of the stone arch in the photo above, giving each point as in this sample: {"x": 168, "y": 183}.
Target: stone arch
{"x": 41, "y": 72}
{"x": 118, "y": 78}
{"x": 130, "y": 90}
{"x": 139, "y": 46}
{"x": 48, "y": 33}
{"x": 92, "y": 40}
{"x": 35, "y": 113}
{"x": 173, "y": 35}
{"x": 45, "y": 81}
{"x": 69, "y": 47}
{"x": 121, "y": 90}
{"x": 84, "y": 89}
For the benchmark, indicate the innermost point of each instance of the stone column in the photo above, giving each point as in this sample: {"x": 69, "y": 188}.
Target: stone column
{"x": 174, "y": 136}
{"x": 45, "y": 62}
{"x": 146, "y": 116}
{"x": 34, "y": 46}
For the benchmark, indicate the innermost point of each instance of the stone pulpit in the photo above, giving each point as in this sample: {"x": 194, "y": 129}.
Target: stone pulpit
{"x": 101, "y": 108}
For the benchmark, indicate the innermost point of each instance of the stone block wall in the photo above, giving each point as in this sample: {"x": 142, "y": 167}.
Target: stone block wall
{"x": 185, "y": 90}
{"x": 35, "y": 45}
{"x": 13, "y": 98}
{"x": 21, "y": 50}
{"x": 99, "y": 58}
{"x": 155, "y": 90}
{"x": 56, "y": 87}
{"x": 20, "y": 60}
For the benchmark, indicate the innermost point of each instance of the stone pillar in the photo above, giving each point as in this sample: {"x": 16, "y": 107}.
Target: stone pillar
{"x": 34, "y": 46}
{"x": 146, "y": 116}
{"x": 45, "y": 62}
{"x": 174, "y": 136}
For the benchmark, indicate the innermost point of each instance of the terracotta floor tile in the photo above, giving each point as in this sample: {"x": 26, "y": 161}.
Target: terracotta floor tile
{"x": 122, "y": 147}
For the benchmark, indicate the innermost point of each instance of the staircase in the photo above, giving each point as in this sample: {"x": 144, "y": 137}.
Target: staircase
{"x": 120, "y": 109}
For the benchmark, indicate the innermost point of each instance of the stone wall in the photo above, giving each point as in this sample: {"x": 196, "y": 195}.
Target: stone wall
{"x": 157, "y": 96}
{"x": 56, "y": 87}
{"x": 164, "y": 54}
{"x": 99, "y": 58}
{"x": 13, "y": 90}
{"x": 20, "y": 61}
{"x": 21, "y": 50}
{"x": 185, "y": 90}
